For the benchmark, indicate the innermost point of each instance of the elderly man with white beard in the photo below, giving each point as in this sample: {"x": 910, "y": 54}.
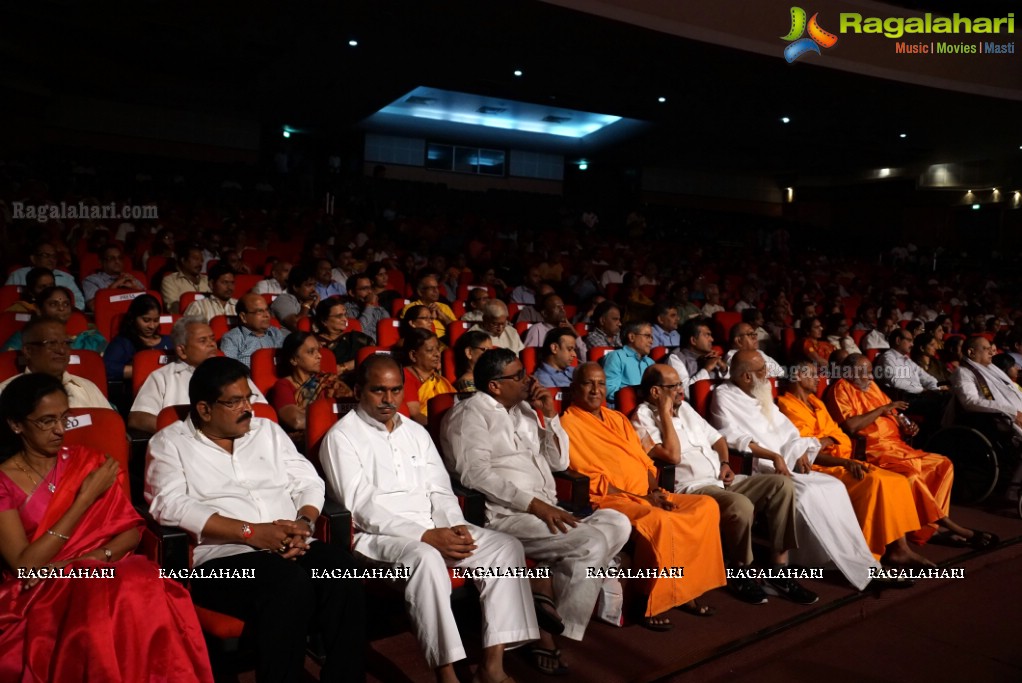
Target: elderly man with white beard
{"x": 826, "y": 527}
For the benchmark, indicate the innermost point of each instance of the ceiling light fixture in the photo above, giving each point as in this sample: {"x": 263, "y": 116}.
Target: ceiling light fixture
{"x": 352, "y": 43}
{"x": 785, "y": 119}
{"x": 583, "y": 165}
{"x": 518, "y": 73}
{"x": 661, "y": 100}
{"x": 903, "y": 135}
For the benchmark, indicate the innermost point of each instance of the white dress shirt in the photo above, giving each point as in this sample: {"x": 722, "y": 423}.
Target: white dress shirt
{"x": 81, "y": 393}
{"x": 508, "y": 339}
{"x": 168, "y": 386}
{"x": 774, "y": 369}
{"x": 394, "y": 483}
{"x": 508, "y": 455}
{"x": 189, "y": 479}
{"x": 875, "y": 340}
{"x": 700, "y": 464}
{"x": 1005, "y": 397}
{"x": 897, "y": 370}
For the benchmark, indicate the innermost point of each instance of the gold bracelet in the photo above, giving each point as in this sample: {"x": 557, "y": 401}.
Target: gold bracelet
{"x": 59, "y": 535}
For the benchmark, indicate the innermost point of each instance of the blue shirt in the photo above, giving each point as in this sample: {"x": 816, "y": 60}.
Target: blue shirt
{"x": 241, "y": 342}
{"x": 624, "y": 368}
{"x": 121, "y": 352}
{"x": 662, "y": 337}
{"x": 333, "y": 289}
{"x": 60, "y": 278}
{"x": 549, "y": 376}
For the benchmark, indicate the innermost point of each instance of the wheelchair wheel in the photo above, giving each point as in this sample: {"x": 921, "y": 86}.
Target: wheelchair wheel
{"x": 975, "y": 462}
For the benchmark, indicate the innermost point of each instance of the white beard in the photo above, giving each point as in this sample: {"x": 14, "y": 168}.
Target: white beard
{"x": 762, "y": 392}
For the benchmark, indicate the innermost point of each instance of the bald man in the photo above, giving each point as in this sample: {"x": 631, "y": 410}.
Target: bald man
{"x": 255, "y": 332}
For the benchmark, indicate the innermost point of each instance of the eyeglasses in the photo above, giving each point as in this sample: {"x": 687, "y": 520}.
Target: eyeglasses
{"x": 671, "y": 387}
{"x": 49, "y": 423}
{"x": 517, "y": 377}
{"x": 49, "y": 344}
{"x": 236, "y": 402}
{"x": 480, "y": 348}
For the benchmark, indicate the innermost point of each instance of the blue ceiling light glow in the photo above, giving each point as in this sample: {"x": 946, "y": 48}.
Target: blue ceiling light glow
{"x": 975, "y": 207}
{"x": 583, "y": 165}
{"x": 287, "y": 133}
{"x": 476, "y": 110}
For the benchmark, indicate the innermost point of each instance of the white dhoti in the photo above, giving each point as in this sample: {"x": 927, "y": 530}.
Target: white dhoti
{"x": 827, "y": 530}
{"x": 593, "y": 543}
{"x": 509, "y": 617}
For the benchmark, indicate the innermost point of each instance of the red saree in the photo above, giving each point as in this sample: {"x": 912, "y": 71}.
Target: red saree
{"x": 135, "y": 627}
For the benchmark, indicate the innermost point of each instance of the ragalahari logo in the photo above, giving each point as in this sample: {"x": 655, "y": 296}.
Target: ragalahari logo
{"x": 817, "y": 36}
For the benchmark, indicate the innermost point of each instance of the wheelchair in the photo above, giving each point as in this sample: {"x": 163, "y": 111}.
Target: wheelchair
{"x": 985, "y": 451}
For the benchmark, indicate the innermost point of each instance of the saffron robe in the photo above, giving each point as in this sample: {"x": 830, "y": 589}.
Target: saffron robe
{"x": 930, "y": 475}
{"x": 882, "y": 500}
{"x": 608, "y": 451}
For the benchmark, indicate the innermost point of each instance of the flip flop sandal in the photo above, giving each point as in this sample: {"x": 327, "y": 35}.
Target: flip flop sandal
{"x": 698, "y": 610}
{"x": 657, "y": 623}
{"x": 539, "y": 656}
{"x": 947, "y": 539}
{"x": 982, "y": 539}
{"x": 546, "y": 618}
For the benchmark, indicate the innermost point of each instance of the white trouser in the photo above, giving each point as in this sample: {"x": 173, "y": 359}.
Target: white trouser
{"x": 827, "y": 529}
{"x": 592, "y": 543}
{"x": 509, "y": 617}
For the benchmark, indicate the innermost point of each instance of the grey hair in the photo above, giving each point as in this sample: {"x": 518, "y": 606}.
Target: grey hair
{"x": 179, "y": 333}
{"x": 494, "y": 308}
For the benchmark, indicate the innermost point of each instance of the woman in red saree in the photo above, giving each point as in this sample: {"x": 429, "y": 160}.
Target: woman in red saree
{"x": 64, "y": 509}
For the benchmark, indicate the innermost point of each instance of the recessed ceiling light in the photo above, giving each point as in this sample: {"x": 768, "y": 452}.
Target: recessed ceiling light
{"x": 975, "y": 207}
{"x": 287, "y": 133}
{"x": 903, "y": 135}
{"x": 785, "y": 119}
{"x": 518, "y": 73}
{"x": 661, "y": 100}
{"x": 583, "y": 165}
{"x": 352, "y": 43}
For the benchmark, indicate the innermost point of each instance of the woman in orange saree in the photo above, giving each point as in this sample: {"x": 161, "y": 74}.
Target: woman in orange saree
{"x": 63, "y": 511}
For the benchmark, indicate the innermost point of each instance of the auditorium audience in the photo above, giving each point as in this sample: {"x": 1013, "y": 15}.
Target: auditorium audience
{"x": 981, "y": 387}
{"x": 330, "y": 323}
{"x": 696, "y": 359}
{"x": 477, "y": 299}
{"x": 557, "y": 358}
{"x": 362, "y": 304}
{"x": 111, "y": 275}
{"x": 187, "y": 277}
{"x": 55, "y": 303}
{"x": 46, "y": 349}
{"x": 467, "y": 350}
{"x": 744, "y": 338}
{"x": 66, "y": 507}
{"x": 243, "y": 513}
{"x": 421, "y": 356}
{"x": 326, "y": 286}
{"x": 495, "y": 324}
{"x": 220, "y": 299}
{"x": 299, "y": 299}
{"x": 665, "y": 330}
{"x": 44, "y": 255}
{"x": 194, "y": 343}
{"x": 624, "y": 367}
{"x": 429, "y": 296}
{"x": 301, "y": 380}
{"x": 551, "y": 308}
{"x": 812, "y": 345}
{"x": 139, "y": 330}
{"x": 838, "y": 335}
{"x": 277, "y": 282}
{"x": 925, "y": 354}
{"x": 254, "y": 332}
{"x": 409, "y": 517}
{"x": 36, "y": 280}
{"x": 606, "y": 326}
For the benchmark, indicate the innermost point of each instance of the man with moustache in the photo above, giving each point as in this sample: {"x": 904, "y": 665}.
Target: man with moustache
{"x": 386, "y": 470}
{"x": 743, "y": 337}
{"x": 696, "y": 359}
{"x": 551, "y": 308}
{"x": 743, "y": 411}
{"x": 238, "y": 485}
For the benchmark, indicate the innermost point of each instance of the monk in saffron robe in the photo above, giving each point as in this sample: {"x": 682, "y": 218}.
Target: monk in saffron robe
{"x": 859, "y": 406}
{"x": 882, "y": 500}
{"x": 672, "y": 530}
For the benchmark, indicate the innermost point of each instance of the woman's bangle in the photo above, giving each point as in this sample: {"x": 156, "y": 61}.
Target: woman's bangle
{"x": 59, "y": 535}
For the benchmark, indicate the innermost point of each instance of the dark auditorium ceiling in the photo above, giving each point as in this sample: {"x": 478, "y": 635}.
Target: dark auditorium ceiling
{"x": 290, "y": 63}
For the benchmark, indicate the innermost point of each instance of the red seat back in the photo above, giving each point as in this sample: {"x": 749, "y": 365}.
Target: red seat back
{"x": 699, "y": 396}
{"x": 598, "y": 352}
{"x": 101, "y": 429}
{"x": 387, "y": 332}
{"x": 110, "y": 302}
{"x": 88, "y": 364}
{"x": 144, "y": 363}
{"x": 627, "y": 399}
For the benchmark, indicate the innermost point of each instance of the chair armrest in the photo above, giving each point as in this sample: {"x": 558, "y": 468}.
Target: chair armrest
{"x": 740, "y": 461}
{"x": 167, "y": 546}
{"x": 334, "y": 525}
{"x": 473, "y": 504}
{"x": 665, "y": 476}
{"x": 572, "y": 491}
{"x": 858, "y": 446}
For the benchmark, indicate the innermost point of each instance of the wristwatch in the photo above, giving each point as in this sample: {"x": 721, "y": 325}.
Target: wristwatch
{"x": 109, "y": 554}
{"x": 246, "y": 531}
{"x": 311, "y": 523}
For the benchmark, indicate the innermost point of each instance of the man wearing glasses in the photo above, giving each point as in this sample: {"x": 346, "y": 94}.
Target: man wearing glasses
{"x": 495, "y": 324}
{"x": 45, "y": 256}
{"x": 238, "y": 485}
{"x": 477, "y": 298}
{"x": 429, "y": 296}
{"x": 625, "y": 366}
{"x": 46, "y": 348}
{"x": 744, "y": 337}
{"x": 194, "y": 343}
{"x": 672, "y": 432}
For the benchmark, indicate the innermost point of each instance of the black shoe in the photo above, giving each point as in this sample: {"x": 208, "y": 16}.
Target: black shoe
{"x": 790, "y": 589}
{"x": 747, "y": 590}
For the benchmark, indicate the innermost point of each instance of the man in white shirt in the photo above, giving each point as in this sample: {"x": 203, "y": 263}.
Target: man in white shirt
{"x": 386, "y": 470}
{"x": 237, "y": 484}
{"x": 877, "y": 338}
{"x": 828, "y": 531}
{"x": 220, "y": 299}
{"x": 982, "y": 387}
{"x": 702, "y": 467}
{"x": 277, "y": 282}
{"x": 478, "y": 297}
{"x": 896, "y": 370}
{"x": 46, "y": 349}
{"x": 193, "y": 343}
{"x": 712, "y": 304}
{"x": 45, "y": 256}
{"x": 744, "y": 337}
{"x": 497, "y": 444}
{"x": 495, "y": 324}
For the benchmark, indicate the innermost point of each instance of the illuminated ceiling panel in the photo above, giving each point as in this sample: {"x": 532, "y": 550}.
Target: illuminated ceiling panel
{"x": 476, "y": 110}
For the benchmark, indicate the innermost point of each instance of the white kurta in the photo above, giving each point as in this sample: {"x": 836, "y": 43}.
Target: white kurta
{"x": 1006, "y": 397}
{"x": 397, "y": 489}
{"x": 508, "y": 456}
{"x": 168, "y": 386}
{"x": 826, "y": 526}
